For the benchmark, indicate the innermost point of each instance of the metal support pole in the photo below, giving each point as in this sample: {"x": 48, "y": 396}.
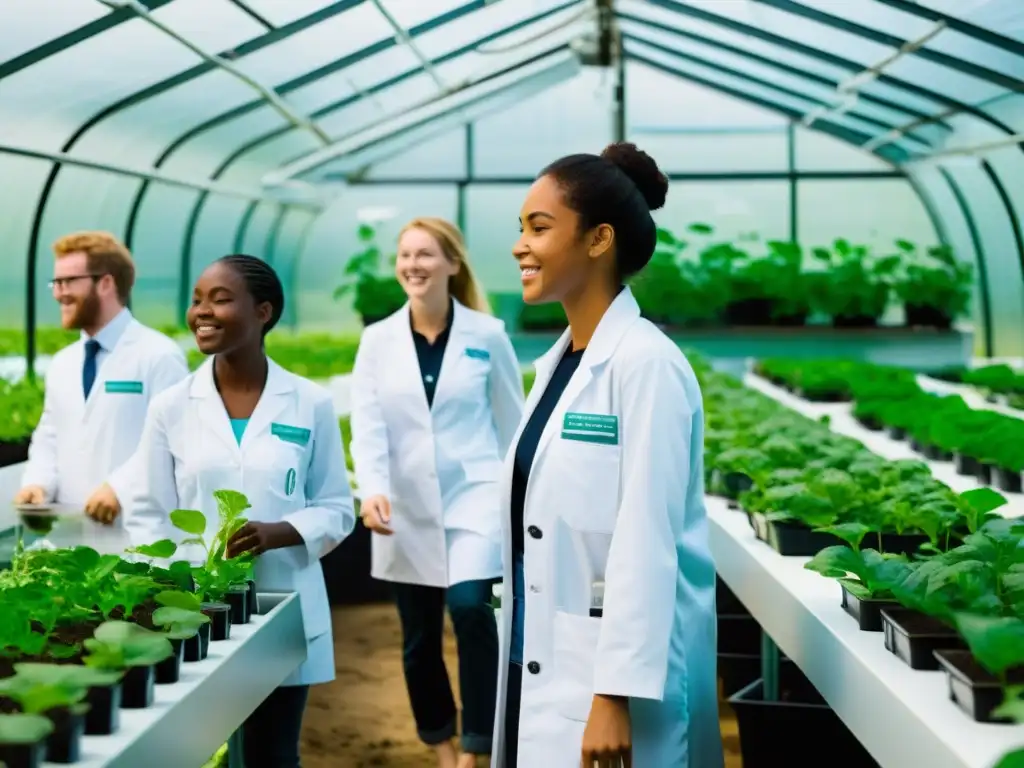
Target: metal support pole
{"x": 620, "y": 87}
{"x": 769, "y": 667}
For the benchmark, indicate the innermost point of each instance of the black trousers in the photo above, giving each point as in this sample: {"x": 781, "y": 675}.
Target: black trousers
{"x": 270, "y": 735}
{"x": 421, "y": 610}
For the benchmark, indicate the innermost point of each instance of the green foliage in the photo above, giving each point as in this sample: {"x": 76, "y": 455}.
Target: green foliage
{"x": 18, "y": 728}
{"x": 376, "y": 295}
{"x": 22, "y": 406}
{"x": 313, "y": 355}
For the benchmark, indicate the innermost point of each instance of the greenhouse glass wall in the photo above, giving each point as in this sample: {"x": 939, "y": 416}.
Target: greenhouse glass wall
{"x": 842, "y": 231}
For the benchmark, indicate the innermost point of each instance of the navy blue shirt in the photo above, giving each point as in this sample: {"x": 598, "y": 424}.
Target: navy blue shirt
{"x": 430, "y": 355}
{"x": 530, "y": 437}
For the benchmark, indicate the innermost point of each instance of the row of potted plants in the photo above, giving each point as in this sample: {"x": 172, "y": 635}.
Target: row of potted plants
{"x": 940, "y": 574}
{"x": 84, "y": 635}
{"x": 984, "y": 444}
{"x": 316, "y": 356}
{"x": 998, "y": 383}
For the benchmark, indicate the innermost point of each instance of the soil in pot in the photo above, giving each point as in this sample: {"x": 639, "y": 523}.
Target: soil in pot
{"x": 966, "y": 465}
{"x": 777, "y": 733}
{"x": 739, "y": 634}
{"x": 238, "y": 599}
{"x": 104, "y": 715}
{"x": 168, "y": 671}
{"x": 64, "y": 744}
{"x": 1008, "y": 480}
{"x": 867, "y": 612}
{"x": 22, "y": 755}
{"x": 972, "y": 687}
{"x": 792, "y": 540}
{"x": 914, "y": 637}
{"x": 220, "y": 620}
{"x": 137, "y": 687}
{"x": 254, "y": 600}
{"x": 896, "y": 433}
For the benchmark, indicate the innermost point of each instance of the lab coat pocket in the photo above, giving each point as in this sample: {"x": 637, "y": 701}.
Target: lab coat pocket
{"x": 593, "y": 484}
{"x": 575, "y": 651}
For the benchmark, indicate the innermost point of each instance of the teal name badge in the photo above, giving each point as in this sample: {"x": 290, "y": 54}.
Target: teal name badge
{"x": 124, "y": 387}
{"x": 289, "y": 483}
{"x": 591, "y": 428}
{"x": 478, "y": 354}
{"x": 289, "y": 434}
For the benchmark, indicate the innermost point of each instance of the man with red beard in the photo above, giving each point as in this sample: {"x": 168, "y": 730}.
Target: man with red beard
{"x": 99, "y": 388}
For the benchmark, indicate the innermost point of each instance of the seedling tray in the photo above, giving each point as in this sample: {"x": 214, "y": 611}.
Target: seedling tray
{"x": 973, "y": 688}
{"x": 792, "y": 540}
{"x": 914, "y": 637}
{"x": 868, "y": 613}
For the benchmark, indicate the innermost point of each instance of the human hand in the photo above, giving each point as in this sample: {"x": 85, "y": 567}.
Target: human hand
{"x": 607, "y": 740}
{"x": 376, "y": 514}
{"x": 256, "y": 538}
{"x": 103, "y": 506}
{"x": 31, "y": 494}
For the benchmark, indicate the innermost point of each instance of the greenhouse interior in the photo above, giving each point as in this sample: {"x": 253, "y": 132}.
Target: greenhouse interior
{"x": 840, "y": 258}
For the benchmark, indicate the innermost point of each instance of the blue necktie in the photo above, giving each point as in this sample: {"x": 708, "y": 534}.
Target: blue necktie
{"x": 92, "y": 348}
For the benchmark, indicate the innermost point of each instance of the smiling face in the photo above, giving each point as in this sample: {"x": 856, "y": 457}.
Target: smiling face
{"x": 556, "y": 260}
{"x": 422, "y": 268}
{"x": 223, "y": 315}
{"x": 77, "y": 291}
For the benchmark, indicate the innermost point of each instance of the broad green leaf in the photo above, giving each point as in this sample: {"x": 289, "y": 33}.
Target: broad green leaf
{"x": 996, "y": 642}
{"x": 189, "y": 520}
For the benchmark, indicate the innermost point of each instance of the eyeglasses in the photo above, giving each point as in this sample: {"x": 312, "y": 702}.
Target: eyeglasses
{"x": 64, "y": 282}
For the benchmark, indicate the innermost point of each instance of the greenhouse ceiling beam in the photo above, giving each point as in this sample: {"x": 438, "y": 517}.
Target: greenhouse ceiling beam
{"x": 853, "y": 83}
{"x": 268, "y": 95}
{"x": 826, "y": 57}
{"x": 405, "y": 39}
{"x": 722, "y": 176}
{"x": 764, "y": 83}
{"x": 75, "y": 36}
{"x": 900, "y": 130}
{"x": 160, "y": 177}
{"x": 252, "y": 14}
{"x": 884, "y": 38}
{"x": 823, "y": 126}
{"x": 973, "y": 150}
{"x": 765, "y": 61}
{"x": 341, "y": 146}
{"x": 987, "y": 36}
{"x": 1011, "y": 211}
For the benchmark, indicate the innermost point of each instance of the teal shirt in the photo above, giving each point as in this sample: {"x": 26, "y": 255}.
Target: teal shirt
{"x": 238, "y": 427}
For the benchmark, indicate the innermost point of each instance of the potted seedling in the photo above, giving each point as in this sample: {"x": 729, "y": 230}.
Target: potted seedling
{"x": 23, "y": 740}
{"x": 180, "y": 615}
{"x": 132, "y": 649}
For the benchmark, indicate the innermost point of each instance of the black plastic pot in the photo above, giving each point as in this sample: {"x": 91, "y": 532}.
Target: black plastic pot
{"x": 896, "y": 433}
{"x": 254, "y": 600}
{"x": 976, "y": 691}
{"x": 13, "y": 452}
{"x": 896, "y": 543}
{"x": 778, "y": 733}
{"x": 1008, "y": 480}
{"x": 23, "y": 755}
{"x": 736, "y": 483}
{"x": 871, "y": 423}
{"x": 238, "y": 599}
{"x": 915, "y": 445}
{"x": 104, "y": 715}
{"x": 220, "y": 620}
{"x": 726, "y": 602}
{"x": 854, "y": 321}
{"x": 137, "y": 687}
{"x": 195, "y": 648}
{"x": 759, "y": 524}
{"x": 934, "y": 453}
{"x": 868, "y": 613}
{"x": 64, "y": 744}
{"x": 984, "y": 473}
{"x": 739, "y": 635}
{"x": 966, "y": 465}
{"x": 168, "y": 671}
{"x": 926, "y": 316}
{"x": 793, "y": 540}
{"x": 914, "y": 637}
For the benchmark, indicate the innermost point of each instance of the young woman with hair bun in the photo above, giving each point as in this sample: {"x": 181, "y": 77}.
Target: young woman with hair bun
{"x": 608, "y": 652}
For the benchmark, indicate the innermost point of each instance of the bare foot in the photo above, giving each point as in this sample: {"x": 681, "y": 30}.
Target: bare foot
{"x": 447, "y": 756}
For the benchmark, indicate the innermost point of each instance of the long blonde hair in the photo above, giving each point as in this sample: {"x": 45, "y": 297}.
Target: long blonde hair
{"x": 463, "y": 285}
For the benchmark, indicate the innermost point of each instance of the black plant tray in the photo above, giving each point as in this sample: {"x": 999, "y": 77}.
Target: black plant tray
{"x": 1007, "y": 480}
{"x": 976, "y": 691}
{"x": 914, "y": 637}
{"x": 793, "y": 540}
{"x": 896, "y": 433}
{"x": 868, "y": 613}
{"x": 871, "y": 423}
{"x": 739, "y": 634}
{"x": 966, "y": 465}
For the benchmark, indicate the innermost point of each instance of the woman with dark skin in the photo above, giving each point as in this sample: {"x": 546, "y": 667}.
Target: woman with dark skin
{"x": 241, "y": 422}
{"x": 610, "y": 639}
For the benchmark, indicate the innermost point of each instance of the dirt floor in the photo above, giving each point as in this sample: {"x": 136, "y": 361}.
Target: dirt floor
{"x": 363, "y": 720}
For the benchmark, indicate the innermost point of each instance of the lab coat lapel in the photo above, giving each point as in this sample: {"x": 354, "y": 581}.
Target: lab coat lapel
{"x": 453, "y": 352}
{"x": 618, "y": 317}
{"x": 406, "y": 364}
{"x": 112, "y": 366}
{"x": 212, "y": 413}
{"x": 274, "y": 400}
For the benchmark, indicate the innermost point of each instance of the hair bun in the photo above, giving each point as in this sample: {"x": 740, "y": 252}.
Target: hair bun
{"x": 641, "y": 169}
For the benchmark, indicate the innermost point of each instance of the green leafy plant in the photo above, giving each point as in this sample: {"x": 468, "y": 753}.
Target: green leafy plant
{"x": 855, "y": 288}
{"x": 118, "y": 645}
{"x": 376, "y": 295}
{"x": 934, "y": 285}
{"x": 219, "y": 572}
{"x": 19, "y": 728}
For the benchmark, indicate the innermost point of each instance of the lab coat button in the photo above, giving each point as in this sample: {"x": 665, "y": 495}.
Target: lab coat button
{"x": 534, "y": 668}
{"x": 535, "y": 531}
{"x": 534, "y": 588}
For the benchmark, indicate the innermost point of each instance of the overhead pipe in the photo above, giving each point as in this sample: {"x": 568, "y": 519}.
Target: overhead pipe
{"x": 865, "y": 76}
{"x": 294, "y": 117}
{"x": 403, "y": 36}
{"x": 973, "y": 150}
{"x": 901, "y": 130}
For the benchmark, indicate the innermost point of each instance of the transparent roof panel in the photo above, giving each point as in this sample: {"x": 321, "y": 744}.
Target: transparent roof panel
{"x": 282, "y": 12}
{"x": 409, "y": 13}
{"x": 22, "y": 32}
{"x": 1004, "y": 16}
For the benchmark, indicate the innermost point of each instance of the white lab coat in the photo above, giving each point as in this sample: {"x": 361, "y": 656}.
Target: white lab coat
{"x": 438, "y": 466}
{"x": 79, "y": 444}
{"x": 188, "y": 451}
{"x": 629, "y": 512}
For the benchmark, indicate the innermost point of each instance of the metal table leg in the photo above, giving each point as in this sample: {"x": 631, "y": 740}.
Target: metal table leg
{"x": 769, "y": 667}
{"x": 235, "y": 750}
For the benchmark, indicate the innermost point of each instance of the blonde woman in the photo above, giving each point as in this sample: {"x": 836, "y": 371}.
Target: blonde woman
{"x": 437, "y": 396}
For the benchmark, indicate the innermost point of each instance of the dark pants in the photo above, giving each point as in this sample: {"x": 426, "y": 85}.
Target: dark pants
{"x": 421, "y": 610}
{"x": 513, "y": 699}
{"x": 270, "y": 735}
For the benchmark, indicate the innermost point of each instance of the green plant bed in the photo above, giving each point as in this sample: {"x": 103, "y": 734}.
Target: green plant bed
{"x": 313, "y": 355}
